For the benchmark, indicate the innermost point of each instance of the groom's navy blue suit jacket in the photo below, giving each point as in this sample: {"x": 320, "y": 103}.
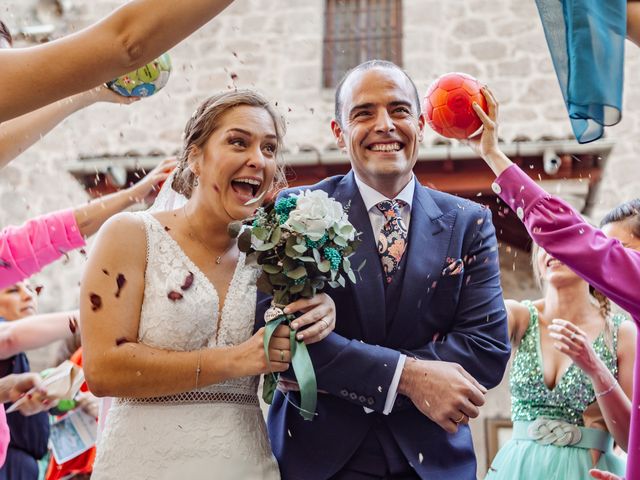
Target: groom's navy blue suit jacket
{"x": 455, "y": 318}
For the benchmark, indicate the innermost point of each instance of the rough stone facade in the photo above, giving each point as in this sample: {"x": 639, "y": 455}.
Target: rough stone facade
{"x": 276, "y": 47}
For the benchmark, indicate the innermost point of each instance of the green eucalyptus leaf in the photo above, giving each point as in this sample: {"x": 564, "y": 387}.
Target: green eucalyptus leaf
{"x": 346, "y": 230}
{"x": 334, "y": 284}
{"x": 338, "y": 240}
{"x": 324, "y": 266}
{"x": 341, "y": 281}
{"x": 265, "y": 247}
{"x": 306, "y": 259}
{"x": 291, "y": 241}
{"x": 260, "y": 233}
{"x": 244, "y": 240}
{"x": 346, "y": 264}
{"x": 270, "y": 268}
{"x": 264, "y": 284}
{"x": 290, "y": 252}
{"x": 351, "y": 276}
{"x": 276, "y": 235}
{"x": 279, "y": 280}
{"x": 316, "y": 256}
{"x": 307, "y": 291}
{"x": 297, "y": 273}
{"x": 289, "y": 264}
{"x": 300, "y": 248}
{"x": 296, "y": 226}
{"x": 281, "y": 297}
{"x": 296, "y": 288}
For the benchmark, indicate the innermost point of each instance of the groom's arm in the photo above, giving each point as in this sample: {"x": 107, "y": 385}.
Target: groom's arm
{"x": 478, "y": 341}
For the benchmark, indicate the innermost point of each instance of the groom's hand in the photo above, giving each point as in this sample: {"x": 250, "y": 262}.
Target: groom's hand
{"x": 442, "y": 391}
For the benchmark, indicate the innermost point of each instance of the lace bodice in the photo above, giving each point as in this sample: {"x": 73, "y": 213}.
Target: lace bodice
{"x": 183, "y": 317}
{"x": 217, "y": 432}
{"x": 530, "y": 396}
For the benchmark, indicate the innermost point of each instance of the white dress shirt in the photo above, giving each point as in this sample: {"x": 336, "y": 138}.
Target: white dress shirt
{"x": 371, "y": 198}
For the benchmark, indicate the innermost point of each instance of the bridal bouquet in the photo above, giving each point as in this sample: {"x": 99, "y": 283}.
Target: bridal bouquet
{"x": 302, "y": 243}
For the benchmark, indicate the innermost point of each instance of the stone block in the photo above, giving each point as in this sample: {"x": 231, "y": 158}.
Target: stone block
{"x": 520, "y": 67}
{"x": 488, "y": 50}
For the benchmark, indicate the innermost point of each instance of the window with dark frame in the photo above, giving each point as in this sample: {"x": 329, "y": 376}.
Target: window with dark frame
{"x": 359, "y": 30}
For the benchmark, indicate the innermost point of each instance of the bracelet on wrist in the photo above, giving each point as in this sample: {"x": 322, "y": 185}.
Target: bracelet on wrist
{"x": 607, "y": 391}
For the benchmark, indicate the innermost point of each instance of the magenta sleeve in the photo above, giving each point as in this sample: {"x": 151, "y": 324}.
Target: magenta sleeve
{"x": 554, "y": 225}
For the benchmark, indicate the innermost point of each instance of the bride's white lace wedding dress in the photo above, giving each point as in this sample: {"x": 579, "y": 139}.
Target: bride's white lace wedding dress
{"x": 217, "y": 432}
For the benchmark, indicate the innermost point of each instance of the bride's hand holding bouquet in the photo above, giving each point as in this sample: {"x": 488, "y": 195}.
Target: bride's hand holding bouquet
{"x": 302, "y": 243}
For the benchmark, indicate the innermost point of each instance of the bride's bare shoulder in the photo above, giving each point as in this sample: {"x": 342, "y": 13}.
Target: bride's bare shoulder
{"x": 124, "y": 234}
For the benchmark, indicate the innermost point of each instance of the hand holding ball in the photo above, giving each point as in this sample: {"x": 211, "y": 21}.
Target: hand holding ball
{"x": 144, "y": 81}
{"x": 448, "y": 105}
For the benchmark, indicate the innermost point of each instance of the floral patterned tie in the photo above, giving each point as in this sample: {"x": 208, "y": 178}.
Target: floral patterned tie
{"x": 392, "y": 239}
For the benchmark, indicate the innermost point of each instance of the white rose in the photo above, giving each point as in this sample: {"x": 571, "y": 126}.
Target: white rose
{"x": 314, "y": 215}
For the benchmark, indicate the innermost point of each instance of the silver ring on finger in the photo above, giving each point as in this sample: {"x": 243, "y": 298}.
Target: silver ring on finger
{"x": 282, "y": 355}
{"x": 325, "y": 323}
{"x": 573, "y": 335}
{"x": 462, "y": 415}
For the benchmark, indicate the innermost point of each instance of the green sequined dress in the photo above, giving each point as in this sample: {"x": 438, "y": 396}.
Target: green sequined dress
{"x": 549, "y": 440}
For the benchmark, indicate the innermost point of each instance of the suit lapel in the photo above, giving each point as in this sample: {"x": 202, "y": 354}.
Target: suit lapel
{"x": 429, "y": 237}
{"x": 368, "y": 292}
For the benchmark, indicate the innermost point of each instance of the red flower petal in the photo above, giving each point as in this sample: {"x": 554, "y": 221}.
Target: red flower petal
{"x": 174, "y": 296}
{"x": 188, "y": 282}
{"x": 120, "y": 281}
{"x": 73, "y": 324}
{"x": 96, "y": 301}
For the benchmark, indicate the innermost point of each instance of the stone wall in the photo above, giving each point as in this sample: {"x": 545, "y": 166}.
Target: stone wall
{"x": 275, "y": 47}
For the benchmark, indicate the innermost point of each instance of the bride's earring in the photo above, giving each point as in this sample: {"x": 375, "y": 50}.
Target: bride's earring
{"x": 196, "y": 182}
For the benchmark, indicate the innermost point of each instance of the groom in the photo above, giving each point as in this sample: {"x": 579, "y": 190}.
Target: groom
{"x": 422, "y": 334}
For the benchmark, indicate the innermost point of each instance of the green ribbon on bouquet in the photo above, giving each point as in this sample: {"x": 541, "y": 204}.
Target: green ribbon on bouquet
{"x": 302, "y": 367}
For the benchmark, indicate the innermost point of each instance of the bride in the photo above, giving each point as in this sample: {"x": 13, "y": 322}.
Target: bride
{"x": 168, "y": 307}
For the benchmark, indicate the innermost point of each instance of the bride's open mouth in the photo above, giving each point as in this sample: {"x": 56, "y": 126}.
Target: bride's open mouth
{"x": 246, "y": 189}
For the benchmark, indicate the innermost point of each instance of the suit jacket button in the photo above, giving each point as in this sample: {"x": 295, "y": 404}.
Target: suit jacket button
{"x": 370, "y": 401}
{"x": 362, "y": 399}
{"x": 353, "y": 396}
{"x": 344, "y": 393}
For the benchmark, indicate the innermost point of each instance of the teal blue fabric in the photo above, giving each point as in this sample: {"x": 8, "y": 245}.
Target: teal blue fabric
{"x": 586, "y": 39}
{"x": 528, "y": 460}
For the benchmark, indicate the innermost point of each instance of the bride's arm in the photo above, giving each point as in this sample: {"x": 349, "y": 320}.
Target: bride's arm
{"x": 115, "y": 364}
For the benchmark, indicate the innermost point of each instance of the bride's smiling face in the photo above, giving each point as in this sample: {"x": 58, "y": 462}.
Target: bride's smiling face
{"x": 237, "y": 164}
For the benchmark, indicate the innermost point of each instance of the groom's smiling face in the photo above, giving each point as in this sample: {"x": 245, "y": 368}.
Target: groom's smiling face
{"x": 380, "y": 126}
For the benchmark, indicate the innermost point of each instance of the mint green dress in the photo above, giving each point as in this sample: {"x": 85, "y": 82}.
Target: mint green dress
{"x": 549, "y": 440}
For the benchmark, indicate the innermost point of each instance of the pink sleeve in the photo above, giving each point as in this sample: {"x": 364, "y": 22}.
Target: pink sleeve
{"x": 26, "y": 249}
{"x": 554, "y": 225}
{"x": 4, "y": 435}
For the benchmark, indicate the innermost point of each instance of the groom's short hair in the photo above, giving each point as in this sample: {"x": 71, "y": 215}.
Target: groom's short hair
{"x": 369, "y": 65}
